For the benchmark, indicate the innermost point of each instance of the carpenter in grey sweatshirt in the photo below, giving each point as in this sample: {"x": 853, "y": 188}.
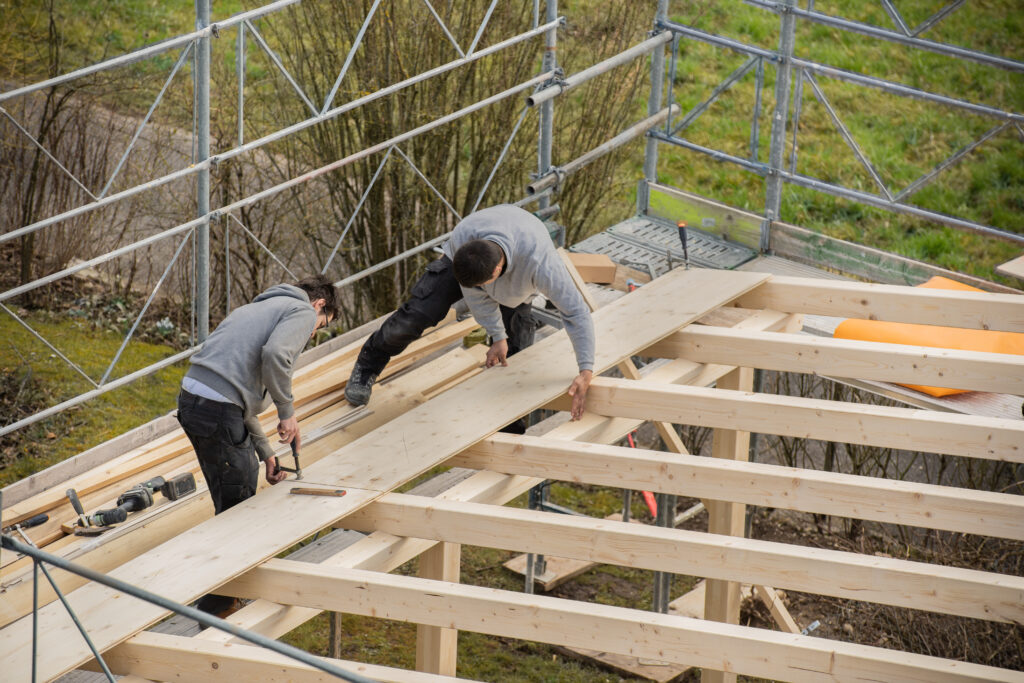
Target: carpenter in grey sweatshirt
{"x": 250, "y": 356}
{"x": 531, "y": 265}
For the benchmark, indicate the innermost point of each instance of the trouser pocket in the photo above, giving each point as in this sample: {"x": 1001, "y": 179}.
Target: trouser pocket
{"x": 239, "y": 473}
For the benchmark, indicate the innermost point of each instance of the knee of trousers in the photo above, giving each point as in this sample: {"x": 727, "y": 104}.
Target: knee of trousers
{"x": 401, "y": 329}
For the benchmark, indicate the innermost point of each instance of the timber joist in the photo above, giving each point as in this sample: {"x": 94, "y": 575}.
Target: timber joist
{"x": 446, "y": 412}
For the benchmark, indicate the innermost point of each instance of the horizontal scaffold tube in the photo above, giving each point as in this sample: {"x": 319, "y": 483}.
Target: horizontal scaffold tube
{"x": 272, "y": 137}
{"x": 551, "y": 179}
{"x": 607, "y": 65}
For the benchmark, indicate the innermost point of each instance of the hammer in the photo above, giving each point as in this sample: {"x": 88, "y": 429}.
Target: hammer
{"x": 297, "y": 470}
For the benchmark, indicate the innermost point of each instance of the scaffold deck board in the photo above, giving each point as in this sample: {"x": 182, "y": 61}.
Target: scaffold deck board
{"x": 206, "y": 556}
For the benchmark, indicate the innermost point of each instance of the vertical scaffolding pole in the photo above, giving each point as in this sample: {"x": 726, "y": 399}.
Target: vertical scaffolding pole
{"x": 661, "y": 594}
{"x": 653, "y": 107}
{"x": 547, "y": 109}
{"x": 773, "y": 183}
{"x": 202, "y": 115}
{"x": 535, "y": 564}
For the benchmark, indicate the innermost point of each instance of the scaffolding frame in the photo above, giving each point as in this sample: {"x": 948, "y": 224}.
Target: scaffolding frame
{"x": 775, "y": 171}
{"x": 197, "y": 45}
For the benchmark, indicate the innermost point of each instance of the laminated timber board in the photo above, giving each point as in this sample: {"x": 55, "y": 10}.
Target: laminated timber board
{"x": 206, "y": 556}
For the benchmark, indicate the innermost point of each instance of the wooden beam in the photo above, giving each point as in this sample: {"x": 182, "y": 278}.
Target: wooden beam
{"x": 437, "y": 647}
{"x": 974, "y": 370}
{"x": 780, "y": 614}
{"x": 791, "y": 488}
{"x": 976, "y": 310}
{"x": 888, "y": 581}
{"x": 185, "y": 567}
{"x": 722, "y": 598}
{"x": 163, "y": 657}
{"x": 904, "y": 428}
{"x": 649, "y": 635}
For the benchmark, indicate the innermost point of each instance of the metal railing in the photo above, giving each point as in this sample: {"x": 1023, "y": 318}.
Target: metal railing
{"x": 807, "y": 72}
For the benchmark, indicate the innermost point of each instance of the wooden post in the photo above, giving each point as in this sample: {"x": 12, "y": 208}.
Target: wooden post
{"x": 722, "y": 598}
{"x": 436, "y": 647}
{"x": 334, "y": 646}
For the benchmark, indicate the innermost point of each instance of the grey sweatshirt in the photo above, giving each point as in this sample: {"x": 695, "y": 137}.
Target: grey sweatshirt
{"x": 531, "y": 265}
{"x": 249, "y": 357}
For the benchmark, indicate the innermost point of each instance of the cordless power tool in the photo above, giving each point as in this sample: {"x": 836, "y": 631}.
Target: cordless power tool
{"x": 138, "y": 497}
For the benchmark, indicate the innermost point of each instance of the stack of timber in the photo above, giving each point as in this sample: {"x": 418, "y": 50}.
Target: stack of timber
{"x": 326, "y": 422}
{"x": 443, "y": 422}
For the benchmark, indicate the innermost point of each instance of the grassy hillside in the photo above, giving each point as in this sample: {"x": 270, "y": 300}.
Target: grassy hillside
{"x": 32, "y": 378}
{"x": 903, "y": 138}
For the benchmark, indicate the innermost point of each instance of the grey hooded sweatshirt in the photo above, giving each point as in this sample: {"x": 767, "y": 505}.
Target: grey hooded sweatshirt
{"x": 531, "y": 265}
{"x": 250, "y": 356}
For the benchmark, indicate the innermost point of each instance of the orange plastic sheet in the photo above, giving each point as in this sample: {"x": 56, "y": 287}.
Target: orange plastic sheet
{"x": 959, "y": 338}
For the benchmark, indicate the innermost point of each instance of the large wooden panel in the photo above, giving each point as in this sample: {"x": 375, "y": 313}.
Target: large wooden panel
{"x": 225, "y": 546}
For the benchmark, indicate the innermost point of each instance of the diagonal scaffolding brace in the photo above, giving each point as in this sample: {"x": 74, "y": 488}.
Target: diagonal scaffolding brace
{"x": 847, "y": 136}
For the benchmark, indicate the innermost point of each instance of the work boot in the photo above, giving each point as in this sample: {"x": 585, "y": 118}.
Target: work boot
{"x": 214, "y": 604}
{"x": 360, "y": 384}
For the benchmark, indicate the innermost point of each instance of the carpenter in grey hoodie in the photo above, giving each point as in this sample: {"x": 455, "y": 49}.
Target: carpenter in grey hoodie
{"x": 250, "y": 356}
{"x": 531, "y": 265}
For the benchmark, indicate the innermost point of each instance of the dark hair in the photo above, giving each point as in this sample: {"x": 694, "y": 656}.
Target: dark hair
{"x": 321, "y": 287}
{"x": 475, "y": 261}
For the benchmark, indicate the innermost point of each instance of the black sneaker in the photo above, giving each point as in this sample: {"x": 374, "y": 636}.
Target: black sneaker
{"x": 214, "y": 604}
{"x": 360, "y": 385}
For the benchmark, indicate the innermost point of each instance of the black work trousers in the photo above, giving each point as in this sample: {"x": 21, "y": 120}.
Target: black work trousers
{"x": 432, "y": 296}
{"x": 223, "y": 447}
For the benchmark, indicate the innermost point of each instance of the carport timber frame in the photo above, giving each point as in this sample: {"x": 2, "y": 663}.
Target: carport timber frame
{"x": 404, "y": 526}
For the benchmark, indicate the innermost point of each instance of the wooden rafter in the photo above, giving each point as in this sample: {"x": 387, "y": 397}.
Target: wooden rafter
{"x": 870, "y": 425}
{"x": 792, "y": 488}
{"x": 948, "y": 590}
{"x": 164, "y": 657}
{"x": 974, "y": 310}
{"x": 759, "y": 652}
{"x": 995, "y": 372}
